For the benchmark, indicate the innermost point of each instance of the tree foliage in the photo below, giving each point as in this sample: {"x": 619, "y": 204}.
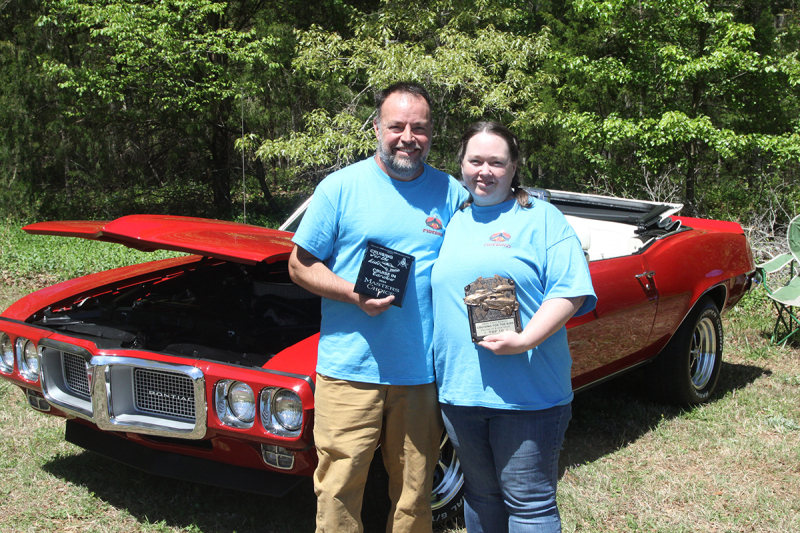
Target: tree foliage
{"x": 174, "y": 67}
{"x": 693, "y": 91}
{"x": 196, "y": 106}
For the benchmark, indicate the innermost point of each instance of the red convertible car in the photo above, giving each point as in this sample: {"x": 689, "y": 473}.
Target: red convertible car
{"x": 202, "y": 367}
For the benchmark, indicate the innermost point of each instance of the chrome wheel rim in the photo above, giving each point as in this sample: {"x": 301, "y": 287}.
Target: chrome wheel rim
{"x": 447, "y": 478}
{"x": 703, "y": 353}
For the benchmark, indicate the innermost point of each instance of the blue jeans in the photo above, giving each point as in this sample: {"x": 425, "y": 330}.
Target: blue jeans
{"x": 510, "y": 464}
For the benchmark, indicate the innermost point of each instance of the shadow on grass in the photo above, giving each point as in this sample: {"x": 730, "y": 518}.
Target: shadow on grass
{"x": 617, "y": 413}
{"x": 154, "y": 499}
{"x": 793, "y": 340}
{"x": 605, "y": 419}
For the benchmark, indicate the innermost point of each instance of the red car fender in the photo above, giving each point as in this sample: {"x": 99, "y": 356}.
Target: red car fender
{"x": 696, "y": 256}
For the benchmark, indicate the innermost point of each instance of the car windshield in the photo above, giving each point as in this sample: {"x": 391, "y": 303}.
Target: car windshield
{"x": 293, "y": 222}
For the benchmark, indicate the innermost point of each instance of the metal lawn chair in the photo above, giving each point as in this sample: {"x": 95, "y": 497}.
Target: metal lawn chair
{"x": 786, "y": 297}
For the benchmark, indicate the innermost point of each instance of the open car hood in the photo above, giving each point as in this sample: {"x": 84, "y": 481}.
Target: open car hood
{"x": 230, "y": 241}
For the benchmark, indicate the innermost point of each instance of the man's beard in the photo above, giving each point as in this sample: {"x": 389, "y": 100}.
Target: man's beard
{"x": 402, "y": 167}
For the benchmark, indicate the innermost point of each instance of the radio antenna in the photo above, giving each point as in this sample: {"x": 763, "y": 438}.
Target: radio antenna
{"x": 244, "y": 183}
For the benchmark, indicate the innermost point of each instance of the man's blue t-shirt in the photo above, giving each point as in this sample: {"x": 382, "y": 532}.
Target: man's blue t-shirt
{"x": 538, "y": 249}
{"x": 361, "y": 203}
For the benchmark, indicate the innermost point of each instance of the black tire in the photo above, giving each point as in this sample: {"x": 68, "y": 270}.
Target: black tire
{"x": 687, "y": 369}
{"x": 447, "y": 498}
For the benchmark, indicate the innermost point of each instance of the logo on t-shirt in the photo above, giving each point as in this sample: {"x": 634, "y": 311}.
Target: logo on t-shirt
{"x": 499, "y": 239}
{"x": 435, "y": 224}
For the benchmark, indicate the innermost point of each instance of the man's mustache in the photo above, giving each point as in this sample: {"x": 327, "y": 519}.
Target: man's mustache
{"x": 406, "y": 147}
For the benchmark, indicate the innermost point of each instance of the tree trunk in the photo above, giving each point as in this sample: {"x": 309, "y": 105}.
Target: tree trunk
{"x": 261, "y": 177}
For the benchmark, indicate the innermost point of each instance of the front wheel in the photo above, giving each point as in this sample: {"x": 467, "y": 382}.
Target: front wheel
{"x": 687, "y": 369}
{"x": 447, "y": 499}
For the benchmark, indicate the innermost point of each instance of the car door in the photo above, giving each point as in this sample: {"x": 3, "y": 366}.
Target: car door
{"x": 614, "y": 335}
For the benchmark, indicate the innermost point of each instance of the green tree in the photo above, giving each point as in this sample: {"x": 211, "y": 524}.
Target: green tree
{"x": 477, "y": 58}
{"x": 171, "y": 70}
{"x": 114, "y": 106}
{"x": 693, "y": 101}
{"x": 31, "y": 133}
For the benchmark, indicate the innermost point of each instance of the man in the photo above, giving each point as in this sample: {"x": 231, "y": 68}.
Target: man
{"x": 375, "y": 367}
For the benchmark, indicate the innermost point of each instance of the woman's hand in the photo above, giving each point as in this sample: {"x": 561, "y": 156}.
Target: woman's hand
{"x": 551, "y": 316}
{"x": 505, "y": 343}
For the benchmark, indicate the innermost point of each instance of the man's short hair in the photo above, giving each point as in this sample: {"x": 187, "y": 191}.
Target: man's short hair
{"x": 408, "y": 87}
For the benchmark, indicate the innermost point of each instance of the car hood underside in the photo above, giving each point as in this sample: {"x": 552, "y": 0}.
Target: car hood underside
{"x": 230, "y": 241}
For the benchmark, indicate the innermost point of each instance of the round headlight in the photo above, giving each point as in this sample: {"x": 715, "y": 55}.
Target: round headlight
{"x": 288, "y": 409}
{"x": 220, "y": 402}
{"x": 27, "y": 362}
{"x": 6, "y": 353}
{"x": 242, "y": 402}
{"x": 31, "y": 359}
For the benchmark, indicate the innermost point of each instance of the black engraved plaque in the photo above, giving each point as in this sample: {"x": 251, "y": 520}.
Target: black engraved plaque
{"x": 383, "y": 272}
{"x": 492, "y": 306}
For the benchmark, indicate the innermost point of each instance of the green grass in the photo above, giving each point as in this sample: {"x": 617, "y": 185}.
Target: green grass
{"x": 628, "y": 464}
{"x": 50, "y": 485}
{"x": 730, "y": 465}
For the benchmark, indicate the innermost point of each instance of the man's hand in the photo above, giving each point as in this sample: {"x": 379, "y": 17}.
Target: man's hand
{"x": 374, "y": 306}
{"x": 314, "y": 275}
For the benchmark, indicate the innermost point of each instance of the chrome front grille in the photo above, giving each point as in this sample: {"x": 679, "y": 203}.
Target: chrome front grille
{"x": 117, "y": 393}
{"x": 164, "y": 393}
{"x": 75, "y": 374}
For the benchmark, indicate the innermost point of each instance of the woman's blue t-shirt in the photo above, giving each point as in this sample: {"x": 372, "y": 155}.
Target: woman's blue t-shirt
{"x": 538, "y": 249}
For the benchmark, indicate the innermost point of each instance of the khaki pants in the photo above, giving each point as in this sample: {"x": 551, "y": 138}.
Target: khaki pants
{"x": 350, "y": 418}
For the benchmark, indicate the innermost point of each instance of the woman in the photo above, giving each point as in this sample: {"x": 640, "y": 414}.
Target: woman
{"x": 506, "y": 399}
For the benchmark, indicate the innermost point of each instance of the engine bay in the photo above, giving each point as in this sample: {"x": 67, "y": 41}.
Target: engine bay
{"x": 216, "y": 310}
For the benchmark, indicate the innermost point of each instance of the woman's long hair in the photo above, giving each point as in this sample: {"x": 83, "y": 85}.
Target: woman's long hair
{"x": 495, "y": 128}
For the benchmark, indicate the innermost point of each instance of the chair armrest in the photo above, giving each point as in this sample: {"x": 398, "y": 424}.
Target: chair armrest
{"x": 776, "y": 263}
